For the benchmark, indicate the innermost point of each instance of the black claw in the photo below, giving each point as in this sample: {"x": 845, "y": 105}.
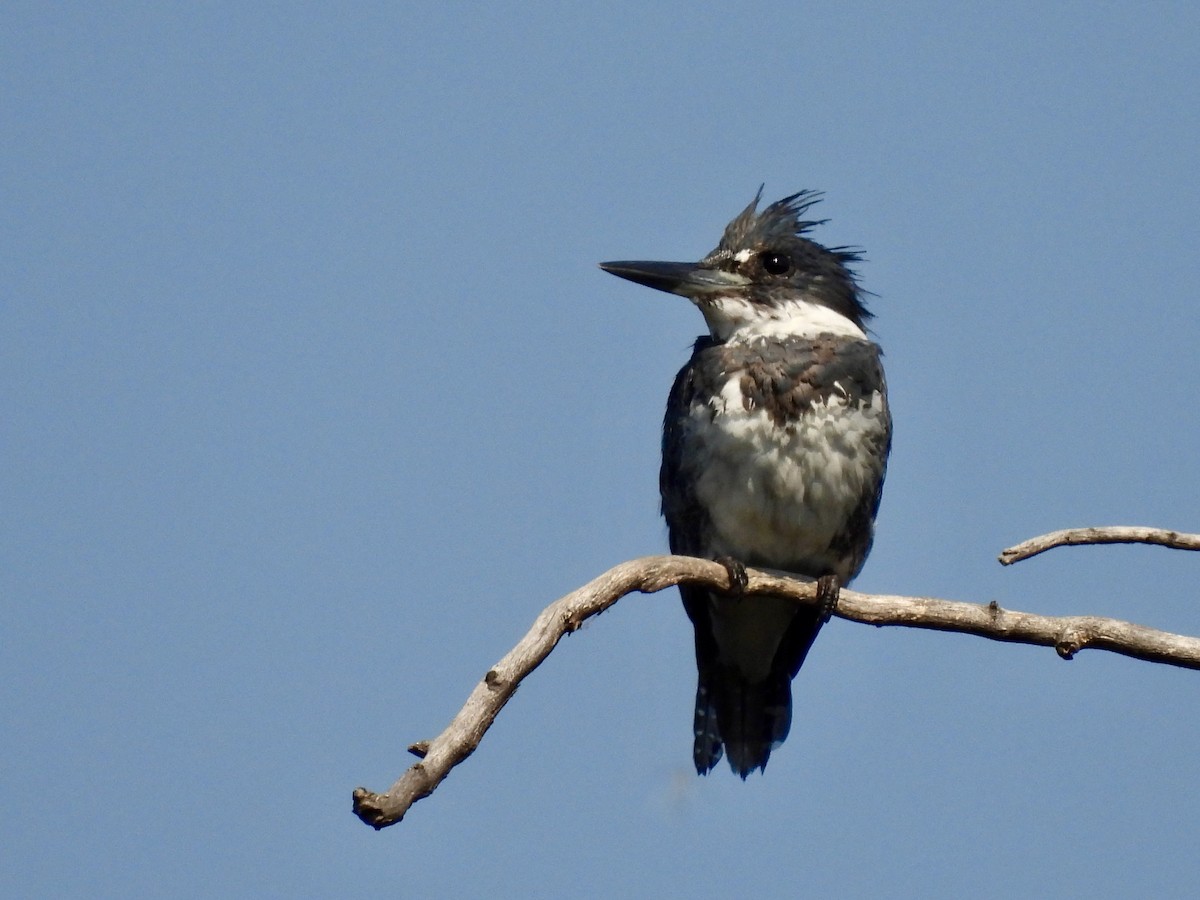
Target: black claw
{"x": 738, "y": 579}
{"x": 828, "y": 588}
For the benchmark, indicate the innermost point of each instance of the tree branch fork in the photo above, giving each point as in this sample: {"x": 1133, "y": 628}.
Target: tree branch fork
{"x": 1066, "y": 634}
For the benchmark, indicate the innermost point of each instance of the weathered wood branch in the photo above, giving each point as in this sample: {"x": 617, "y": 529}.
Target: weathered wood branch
{"x": 1111, "y": 534}
{"x": 1066, "y": 634}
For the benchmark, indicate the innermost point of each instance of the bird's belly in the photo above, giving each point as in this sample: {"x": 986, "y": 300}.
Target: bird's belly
{"x": 778, "y": 494}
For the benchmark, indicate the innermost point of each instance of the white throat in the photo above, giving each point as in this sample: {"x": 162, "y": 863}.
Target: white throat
{"x": 733, "y": 317}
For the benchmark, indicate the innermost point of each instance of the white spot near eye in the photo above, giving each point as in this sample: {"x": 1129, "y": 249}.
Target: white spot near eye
{"x": 743, "y": 255}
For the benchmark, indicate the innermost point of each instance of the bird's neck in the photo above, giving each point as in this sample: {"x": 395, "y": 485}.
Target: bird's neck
{"x": 735, "y": 318}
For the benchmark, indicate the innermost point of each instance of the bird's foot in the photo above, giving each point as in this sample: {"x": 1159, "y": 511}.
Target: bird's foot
{"x": 828, "y": 589}
{"x": 738, "y": 579}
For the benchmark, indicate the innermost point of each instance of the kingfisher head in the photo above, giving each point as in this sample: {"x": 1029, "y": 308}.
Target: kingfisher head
{"x": 765, "y": 277}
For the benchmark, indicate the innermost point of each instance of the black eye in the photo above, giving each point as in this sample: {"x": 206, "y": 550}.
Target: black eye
{"x": 775, "y": 263}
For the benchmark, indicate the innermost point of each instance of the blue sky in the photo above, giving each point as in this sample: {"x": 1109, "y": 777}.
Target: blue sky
{"x": 312, "y": 397}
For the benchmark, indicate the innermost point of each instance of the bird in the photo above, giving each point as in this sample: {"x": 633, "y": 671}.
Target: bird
{"x": 774, "y": 449}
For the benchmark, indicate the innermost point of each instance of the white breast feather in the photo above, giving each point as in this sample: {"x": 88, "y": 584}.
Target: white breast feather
{"x": 780, "y": 495}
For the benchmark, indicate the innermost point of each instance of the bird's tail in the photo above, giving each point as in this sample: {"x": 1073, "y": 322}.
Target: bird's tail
{"x": 744, "y": 715}
{"x": 749, "y": 719}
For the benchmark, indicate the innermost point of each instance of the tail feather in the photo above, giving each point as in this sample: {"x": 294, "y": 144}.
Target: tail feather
{"x": 744, "y": 716}
{"x": 707, "y": 749}
{"x": 750, "y": 719}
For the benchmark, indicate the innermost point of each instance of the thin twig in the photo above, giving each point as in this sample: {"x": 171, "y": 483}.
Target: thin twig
{"x": 1067, "y": 634}
{"x": 1112, "y": 534}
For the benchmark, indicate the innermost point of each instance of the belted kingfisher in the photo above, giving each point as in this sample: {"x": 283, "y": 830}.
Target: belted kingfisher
{"x": 775, "y": 444}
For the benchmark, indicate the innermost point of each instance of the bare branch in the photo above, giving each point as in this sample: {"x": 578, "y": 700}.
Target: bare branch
{"x": 1067, "y": 634}
{"x": 1112, "y": 534}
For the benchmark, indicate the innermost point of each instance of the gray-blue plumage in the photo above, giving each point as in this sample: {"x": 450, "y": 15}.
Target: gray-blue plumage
{"x": 775, "y": 445}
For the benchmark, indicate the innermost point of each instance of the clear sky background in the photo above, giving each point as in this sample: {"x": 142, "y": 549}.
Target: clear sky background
{"x": 312, "y": 397}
